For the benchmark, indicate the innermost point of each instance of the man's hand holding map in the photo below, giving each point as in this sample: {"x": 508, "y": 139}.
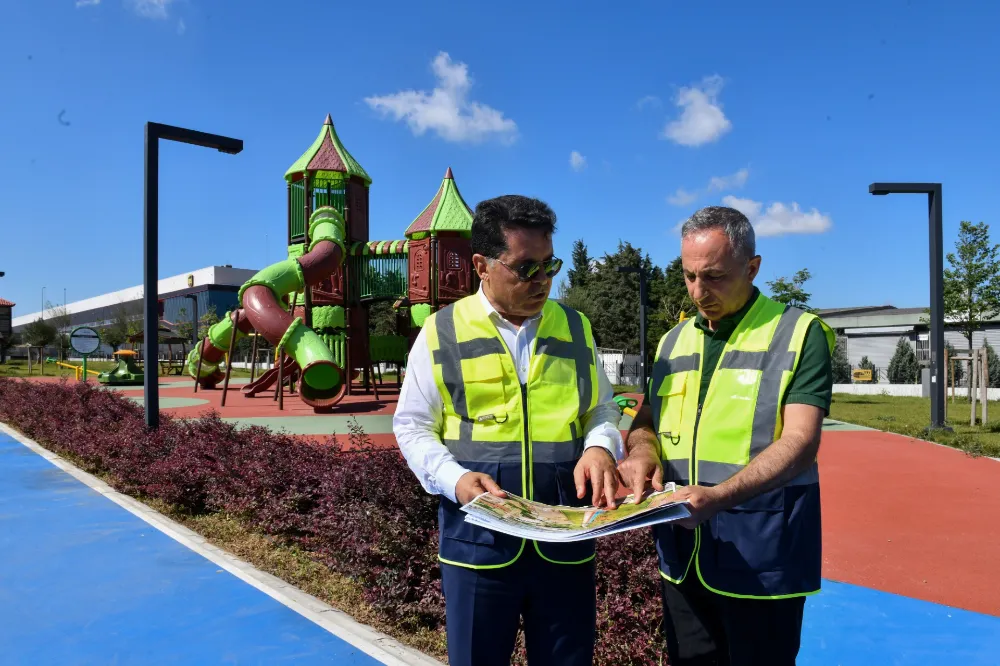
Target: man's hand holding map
{"x": 524, "y": 518}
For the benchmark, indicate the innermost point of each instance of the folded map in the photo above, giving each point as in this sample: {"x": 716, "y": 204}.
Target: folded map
{"x": 527, "y": 519}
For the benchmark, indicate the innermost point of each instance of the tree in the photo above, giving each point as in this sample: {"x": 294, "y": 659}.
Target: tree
{"x": 184, "y": 325}
{"x": 59, "y": 318}
{"x": 903, "y": 368}
{"x": 840, "y": 364}
{"x": 40, "y": 333}
{"x": 121, "y": 327}
{"x": 611, "y": 300}
{"x": 865, "y": 364}
{"x": 672, "y": 295}
{"x": 382, "y": 319}
{"x": 791, "y": 292}
{"x": 972, "y": 282}
{"x": 577, "y": 275}
{"x": 6, "y": 343}
{"x": 206, "y": 321}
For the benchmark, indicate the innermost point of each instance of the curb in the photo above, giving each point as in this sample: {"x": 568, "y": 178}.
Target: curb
{"x": 375, "y": 644}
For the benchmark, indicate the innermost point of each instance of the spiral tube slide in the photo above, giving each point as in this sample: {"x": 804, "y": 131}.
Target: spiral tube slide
{"x": 263, "y": 308}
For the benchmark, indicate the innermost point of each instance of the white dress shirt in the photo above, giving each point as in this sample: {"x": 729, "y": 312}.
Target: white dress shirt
{"x": 419, "y": 415}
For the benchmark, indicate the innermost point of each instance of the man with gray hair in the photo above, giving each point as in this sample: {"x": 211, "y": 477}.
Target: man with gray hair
{"x": 733, "y": 415}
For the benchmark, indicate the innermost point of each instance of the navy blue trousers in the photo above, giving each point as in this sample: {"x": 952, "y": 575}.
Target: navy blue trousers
{"x": 557, "y": 601}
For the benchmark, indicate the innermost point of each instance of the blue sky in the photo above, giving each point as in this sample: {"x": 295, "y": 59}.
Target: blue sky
{"x": 625, "y": 118}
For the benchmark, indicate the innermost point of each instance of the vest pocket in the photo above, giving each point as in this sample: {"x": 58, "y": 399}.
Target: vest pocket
{"x": 672, "y": 393}
{"x": 484, "y": 389}
{"x": 753, "y": 536}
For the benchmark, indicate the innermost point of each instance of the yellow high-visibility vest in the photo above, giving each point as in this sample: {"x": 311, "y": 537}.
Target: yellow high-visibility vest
{"x": 527, "y": 437}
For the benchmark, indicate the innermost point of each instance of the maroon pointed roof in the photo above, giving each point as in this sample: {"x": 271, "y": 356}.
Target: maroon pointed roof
{"x": 4, "y": 303}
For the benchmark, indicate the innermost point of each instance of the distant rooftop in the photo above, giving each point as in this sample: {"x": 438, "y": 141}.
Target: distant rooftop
{"x": 868, "y": 310}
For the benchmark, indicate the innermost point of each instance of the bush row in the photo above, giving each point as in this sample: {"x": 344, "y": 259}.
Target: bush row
{"x": 357, "y": 508}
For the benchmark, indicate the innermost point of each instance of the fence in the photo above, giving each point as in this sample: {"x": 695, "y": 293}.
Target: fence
{"x": 621, "y": 368}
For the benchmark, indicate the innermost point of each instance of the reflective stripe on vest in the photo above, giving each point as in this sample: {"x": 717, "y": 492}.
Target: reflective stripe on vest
{"x": 769, "y": 547}
{"x": 676, "y": 383}
{"x": 490, "y": 419}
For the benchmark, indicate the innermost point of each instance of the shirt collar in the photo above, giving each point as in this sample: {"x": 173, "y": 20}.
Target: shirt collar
{"x": 492, "y": 311}
{"x": 730, "y": 322}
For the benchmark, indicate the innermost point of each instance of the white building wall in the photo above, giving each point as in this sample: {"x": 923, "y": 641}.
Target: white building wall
{"x": 212, "y": 275}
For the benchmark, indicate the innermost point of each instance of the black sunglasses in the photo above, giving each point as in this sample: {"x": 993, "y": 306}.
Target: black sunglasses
{"x": 529, "y": 269}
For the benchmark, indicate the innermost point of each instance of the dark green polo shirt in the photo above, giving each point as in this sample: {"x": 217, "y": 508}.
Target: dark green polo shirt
{"x": 812, "y": 383}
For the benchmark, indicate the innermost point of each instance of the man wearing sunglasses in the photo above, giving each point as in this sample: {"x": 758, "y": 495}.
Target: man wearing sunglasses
{"x": 503, "y": 393}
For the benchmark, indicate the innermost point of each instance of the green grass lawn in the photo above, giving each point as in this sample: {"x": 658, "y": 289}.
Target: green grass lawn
{"x": 909, "y": 416}
{"x": 20, "y": 369}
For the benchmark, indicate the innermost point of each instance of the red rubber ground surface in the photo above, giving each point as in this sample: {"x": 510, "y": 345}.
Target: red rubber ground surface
{"x": 911, "y": 517}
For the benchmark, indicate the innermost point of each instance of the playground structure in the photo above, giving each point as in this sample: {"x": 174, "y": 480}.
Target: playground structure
{"x": 314, "y": 305}
{"x": 126, "y": 373}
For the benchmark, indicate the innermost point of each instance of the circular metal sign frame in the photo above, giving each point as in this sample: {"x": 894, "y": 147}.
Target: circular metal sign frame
{"x": 80, "y": 343}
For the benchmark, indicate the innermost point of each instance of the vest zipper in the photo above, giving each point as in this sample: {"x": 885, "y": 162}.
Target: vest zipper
{"x": 530, "y": 490}
{"x": 694, "y": 448}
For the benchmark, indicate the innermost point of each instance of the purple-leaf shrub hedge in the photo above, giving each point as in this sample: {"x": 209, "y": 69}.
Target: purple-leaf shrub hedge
{"x": 357, "y": 508}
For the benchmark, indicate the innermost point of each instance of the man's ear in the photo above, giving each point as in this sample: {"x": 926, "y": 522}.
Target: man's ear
{"x": 481, "y": 264}
{"x": 753, "y": 267}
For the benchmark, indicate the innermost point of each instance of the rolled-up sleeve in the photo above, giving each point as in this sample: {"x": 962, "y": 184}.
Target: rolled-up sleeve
{"x": 600, "y": 425}
{"x": 417, "y": 426}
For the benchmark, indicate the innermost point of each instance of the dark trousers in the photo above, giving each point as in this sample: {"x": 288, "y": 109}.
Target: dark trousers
{"x": 708, "y": 629}
{"x": 483, "y": 608}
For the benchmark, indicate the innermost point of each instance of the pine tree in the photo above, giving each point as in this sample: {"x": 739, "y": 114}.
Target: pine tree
{"x": 903, "y": 368}
{"x": 841, "y": 365}
{"x": 580, "y": 271}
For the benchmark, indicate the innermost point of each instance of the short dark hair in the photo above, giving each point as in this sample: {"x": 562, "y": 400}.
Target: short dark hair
{"x": 510, "y": 211}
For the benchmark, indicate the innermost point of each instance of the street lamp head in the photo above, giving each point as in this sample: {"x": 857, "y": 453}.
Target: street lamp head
{"x": 234, "y": 149}
{"x": 629, "y": 269}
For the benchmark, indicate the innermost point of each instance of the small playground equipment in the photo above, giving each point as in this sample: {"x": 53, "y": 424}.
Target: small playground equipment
{"x": 626, "y": 405}
{"x": 77, "y": 369}
{"x": 314, "y": 305}
{"x": 126, "y": 373}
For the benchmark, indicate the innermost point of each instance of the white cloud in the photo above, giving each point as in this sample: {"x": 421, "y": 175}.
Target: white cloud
{"x": 731, "y": 182}
{"x": 446, "y": 109}
{"x": 154, "y": 9}
{"x": 780, "y": 219}
{"x": 649, "y": 100}
{"x": 577, "y": 161}
{"x": 181, "y": 27}
{"x": 87, "y": 3}
{"x": 702, "y": 120}
{"x": 683, "y": 197}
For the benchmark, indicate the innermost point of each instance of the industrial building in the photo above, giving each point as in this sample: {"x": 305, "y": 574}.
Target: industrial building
{"x": 875, "y": 331}
{"x": 195, "y": 292}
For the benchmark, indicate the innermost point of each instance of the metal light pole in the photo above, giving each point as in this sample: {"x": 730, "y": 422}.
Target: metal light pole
{"x": 151, "y": 223}
{"x": 934, "y": 217}
{"x": 642, "y": 319}
{"x": 43, "y": 303}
